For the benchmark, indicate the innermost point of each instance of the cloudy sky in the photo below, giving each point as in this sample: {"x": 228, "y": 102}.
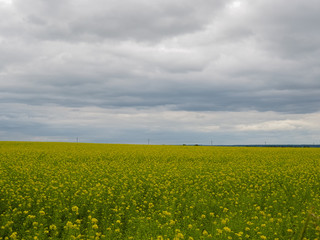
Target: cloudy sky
{"x": 171, "y": 71}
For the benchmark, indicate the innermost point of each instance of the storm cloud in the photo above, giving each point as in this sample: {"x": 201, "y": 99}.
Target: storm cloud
{"x": 173, "y": 71}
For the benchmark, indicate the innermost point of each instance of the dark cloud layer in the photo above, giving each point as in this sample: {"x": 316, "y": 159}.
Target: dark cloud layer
{"x": 181, "y": 58}
{"x": 74, "y": 20}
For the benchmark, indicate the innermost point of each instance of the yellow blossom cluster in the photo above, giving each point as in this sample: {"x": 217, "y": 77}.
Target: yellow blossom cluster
{"x": 110, "y": 191}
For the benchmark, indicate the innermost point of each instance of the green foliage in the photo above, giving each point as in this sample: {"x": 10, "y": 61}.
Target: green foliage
{"x": 100, "y": 191}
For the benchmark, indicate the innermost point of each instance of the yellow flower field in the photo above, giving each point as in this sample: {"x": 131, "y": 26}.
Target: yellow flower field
{"x": 109, "y": 191}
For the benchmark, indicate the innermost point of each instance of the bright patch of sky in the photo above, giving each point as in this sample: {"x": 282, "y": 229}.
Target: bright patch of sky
{"x": 6, "y": 2}
{"x": 235, "y": 4}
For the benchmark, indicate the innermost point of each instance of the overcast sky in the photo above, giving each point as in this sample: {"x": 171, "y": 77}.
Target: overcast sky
{"x": 172, "y": 71}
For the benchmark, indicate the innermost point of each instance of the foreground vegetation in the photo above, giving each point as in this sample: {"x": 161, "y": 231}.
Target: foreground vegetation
{"x": 99, "y": 191}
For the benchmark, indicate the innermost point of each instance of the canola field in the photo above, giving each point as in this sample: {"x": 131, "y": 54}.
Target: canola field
{"x": 108, "y": 191}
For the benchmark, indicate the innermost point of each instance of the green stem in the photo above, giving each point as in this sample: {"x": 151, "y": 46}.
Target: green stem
{"x": 305, "y": 226}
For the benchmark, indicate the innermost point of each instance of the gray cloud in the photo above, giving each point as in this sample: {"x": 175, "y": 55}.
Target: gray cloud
{"x": 292, "y": 29}
{"x": 137, "y": 20}
{"x": 179, "y": 57}
{"x": 162, "y": 126}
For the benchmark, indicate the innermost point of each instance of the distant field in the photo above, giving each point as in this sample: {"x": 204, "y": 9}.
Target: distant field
{"x": 100, "y": 191}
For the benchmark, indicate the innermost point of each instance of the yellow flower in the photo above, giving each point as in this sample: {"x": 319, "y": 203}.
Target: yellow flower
{"x": 94, "y": 220}
{"x": 227, "y": 229}
{"x": 53, "y": 227}
{"x": 179, "y": 235}
{"x": 166, "y": 213}
{"x": 95, "y": 226}
{"x": 13, "y": 235}
{"x": 75, "y": 209}
{"x": 69, "y": 225}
